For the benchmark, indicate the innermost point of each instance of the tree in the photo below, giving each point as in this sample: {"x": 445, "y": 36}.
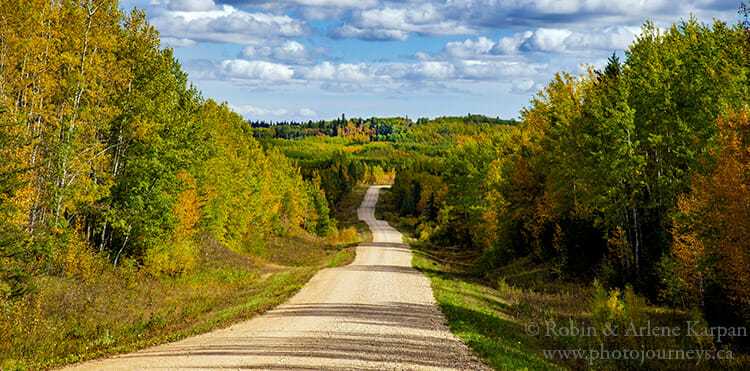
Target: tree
{"x": 712, "y": 229}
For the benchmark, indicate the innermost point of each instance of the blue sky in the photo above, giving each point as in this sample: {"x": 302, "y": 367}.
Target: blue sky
{"x": 316, "y": 59}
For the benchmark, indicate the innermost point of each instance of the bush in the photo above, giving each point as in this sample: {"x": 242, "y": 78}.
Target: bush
{"x": 345, "y": 236}
{"x": 171, "y": 260}
{"x": 76, "y": 259}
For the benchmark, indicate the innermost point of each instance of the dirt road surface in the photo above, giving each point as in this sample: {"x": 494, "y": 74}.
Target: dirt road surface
{"x": 376, "y": 314}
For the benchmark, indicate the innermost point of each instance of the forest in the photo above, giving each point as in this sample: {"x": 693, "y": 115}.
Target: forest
{"x": 632, "y": 180}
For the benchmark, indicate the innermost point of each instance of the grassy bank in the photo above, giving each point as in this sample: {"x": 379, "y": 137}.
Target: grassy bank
{"x": 496, "y": 312}
{"x": 483, "y": 317}
{"x": 74, "y": 318}
{"x": 492, "y": 312}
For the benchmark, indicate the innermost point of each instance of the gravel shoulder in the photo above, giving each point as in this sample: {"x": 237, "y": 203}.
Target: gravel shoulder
{"x": 377, "y": 313}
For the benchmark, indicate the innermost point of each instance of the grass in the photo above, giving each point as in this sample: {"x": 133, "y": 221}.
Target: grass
{"x": 490, "y": 310}
{"x": 120, "y": 310}
{"x": 480, "y": 315}
{"x": 68, "y": 320}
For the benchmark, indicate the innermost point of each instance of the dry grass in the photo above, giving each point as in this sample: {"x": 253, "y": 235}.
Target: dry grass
{"x": 69, "y": 320}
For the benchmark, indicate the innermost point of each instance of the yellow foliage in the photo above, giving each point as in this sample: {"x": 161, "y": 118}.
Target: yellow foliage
{"x": 606, "y": 306}
{"x": 171, "y": 259}
{"x": 619, "y": 249}
{"x": 346, "y": 235}
{"x": 614, "y": 305}
{"x": 187, "y": 209}
{"x": 77, "y": 259}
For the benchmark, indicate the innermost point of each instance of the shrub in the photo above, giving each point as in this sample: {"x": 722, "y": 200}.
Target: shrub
{"x": 344, "y": 236}
{"x": 171, "y": 259}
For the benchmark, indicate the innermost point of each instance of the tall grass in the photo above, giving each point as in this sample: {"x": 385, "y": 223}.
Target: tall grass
{"x": 68, "y": 319}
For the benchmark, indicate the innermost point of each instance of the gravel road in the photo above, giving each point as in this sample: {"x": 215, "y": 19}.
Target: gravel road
{"x": 377, "y": 313}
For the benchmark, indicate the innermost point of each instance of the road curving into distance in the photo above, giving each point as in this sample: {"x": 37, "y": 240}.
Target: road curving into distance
{"x": 377, "y": 313}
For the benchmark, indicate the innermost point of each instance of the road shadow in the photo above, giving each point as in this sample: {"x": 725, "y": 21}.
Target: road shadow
{"x": 413, "y": 348}
{"x": 344, "y": 349}
{"x": 379, "y": 268}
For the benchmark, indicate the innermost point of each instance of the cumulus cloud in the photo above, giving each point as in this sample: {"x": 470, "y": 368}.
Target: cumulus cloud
{"x": 469, "y": 48}
{"x": 397, "y": 21}
{"x": 177, "y": 42}
{"x": 255, "y": 70}
{"x": 348, "y": 31}
{"x": 288, "y": 51}
{"x": 307, "y": 112}
{"x": 338, "y": 3}
{"x": 597, "y": 42}
{"x": 250, "y": 111}
{"x": 433, "y": 71}
{"x": 191, "y": 5}
{"x": 566, "y": 41}
{"x": 511, "y": 44}
{"x": 226, "y": 24}
{"x": 344, "y": 72}
{"x": 523, "y": 86}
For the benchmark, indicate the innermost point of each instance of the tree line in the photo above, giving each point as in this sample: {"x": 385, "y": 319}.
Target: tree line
{"x": 394, "y": 129}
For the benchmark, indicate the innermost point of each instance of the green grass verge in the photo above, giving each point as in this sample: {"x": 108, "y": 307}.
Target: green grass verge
{"x": 477, "y": 314}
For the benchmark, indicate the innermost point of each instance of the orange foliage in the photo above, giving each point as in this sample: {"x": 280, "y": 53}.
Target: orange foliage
{"x": 718, "y": 221}
{"x": 187, "y": 209}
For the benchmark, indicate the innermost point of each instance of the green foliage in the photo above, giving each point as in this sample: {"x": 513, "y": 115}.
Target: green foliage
{"x": 110, "y": 129}
{"x": 593, "y": 175}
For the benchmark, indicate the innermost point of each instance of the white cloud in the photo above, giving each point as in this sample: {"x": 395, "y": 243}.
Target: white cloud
{"x": 397, "y": 21}
{"x": 252, "y": 112}
{"x": 348, "y": 31}
{"x": 227, "y": 24}
{"x": 547, "y": 40}
{"x": 525, "y": 86}
{"x": 510, "y": 44}
{"x": 469, "y": 48}
{"x": 249, "y": 111}
{"x": 596, "y": 42}
{"x": 307, "y": 112}
{"x": 320, "y": 13}
{"x": 255, "y": 70}
{"x": 192, "y": 5}
{"x": 288, "y": 51}
{"x": 565, "y": 41}
{"x": 344, "y": 72}
{"x": 177, "y": 42}
{"x": 338, "y": 3}
{"x": 432, "y": 71}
